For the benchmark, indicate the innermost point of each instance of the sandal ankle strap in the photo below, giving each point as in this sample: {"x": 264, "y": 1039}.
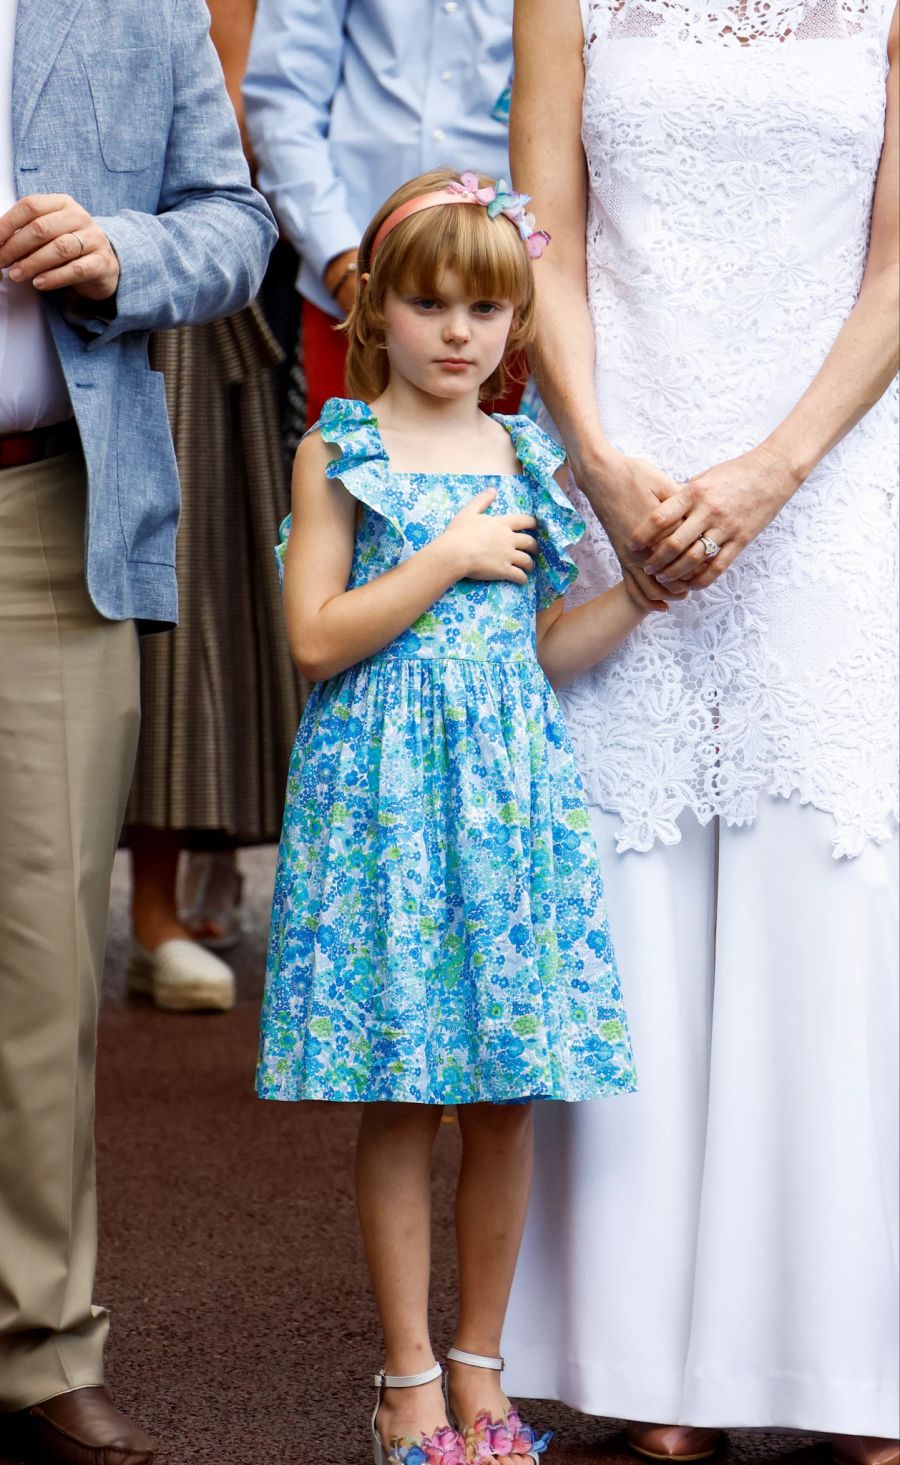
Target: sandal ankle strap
{"x": 408, "y": 1381}
{"x": 475, "y": 1360}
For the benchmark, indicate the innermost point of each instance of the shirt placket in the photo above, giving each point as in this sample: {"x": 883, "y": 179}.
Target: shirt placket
{"x": 443, "y": 101}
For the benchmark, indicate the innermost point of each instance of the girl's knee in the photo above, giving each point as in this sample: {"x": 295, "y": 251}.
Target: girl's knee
{"x": 504, "y": 1122}
{"x": 391, "y": 1118}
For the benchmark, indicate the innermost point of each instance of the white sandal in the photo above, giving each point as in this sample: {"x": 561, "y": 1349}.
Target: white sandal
{"x": 526, "y": 1444}
{"x": 442, "y": 1439}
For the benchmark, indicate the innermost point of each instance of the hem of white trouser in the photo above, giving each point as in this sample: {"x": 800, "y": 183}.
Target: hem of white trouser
{"x": 711, "y": 1401}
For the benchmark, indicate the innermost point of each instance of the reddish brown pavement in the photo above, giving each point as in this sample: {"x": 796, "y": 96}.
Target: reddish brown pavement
{"x": 243, "y": 1332}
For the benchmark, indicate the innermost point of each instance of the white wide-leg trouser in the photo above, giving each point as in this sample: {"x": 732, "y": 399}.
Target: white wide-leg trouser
{"x": 721, "y": 1248}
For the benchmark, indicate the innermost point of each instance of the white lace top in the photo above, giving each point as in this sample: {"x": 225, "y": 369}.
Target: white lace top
{"x": 732, "y": 155}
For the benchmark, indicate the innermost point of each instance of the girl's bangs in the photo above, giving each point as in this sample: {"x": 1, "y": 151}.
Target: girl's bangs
{"x": 487, "y": 254}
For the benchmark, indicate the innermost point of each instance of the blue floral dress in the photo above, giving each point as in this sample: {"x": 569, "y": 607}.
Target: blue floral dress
{"x": 439, "y": 934}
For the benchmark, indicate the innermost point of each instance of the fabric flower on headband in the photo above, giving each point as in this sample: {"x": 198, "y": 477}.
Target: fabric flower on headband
{"x": 502, "y": 200}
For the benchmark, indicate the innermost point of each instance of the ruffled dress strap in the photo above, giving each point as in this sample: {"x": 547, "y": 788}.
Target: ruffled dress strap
{"x": 362, "y": 467}
{"x": 559, "y": 523}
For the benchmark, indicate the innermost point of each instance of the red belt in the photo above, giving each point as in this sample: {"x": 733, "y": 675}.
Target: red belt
{"x": 18, "y": 449}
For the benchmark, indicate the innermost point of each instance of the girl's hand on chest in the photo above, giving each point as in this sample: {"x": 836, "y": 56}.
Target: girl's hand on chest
{"x": 491, "y": 546}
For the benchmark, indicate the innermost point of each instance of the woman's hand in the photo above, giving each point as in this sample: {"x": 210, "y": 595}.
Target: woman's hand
{"x": 491, "y": 546}
{"x": 729, "y": 504}
{"x": 624, "y": 493}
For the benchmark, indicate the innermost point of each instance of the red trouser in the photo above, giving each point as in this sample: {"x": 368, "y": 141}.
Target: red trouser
{"x": 325, "y": 352}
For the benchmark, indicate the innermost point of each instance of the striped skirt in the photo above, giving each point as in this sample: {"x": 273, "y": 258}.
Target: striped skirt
{"x": 221, "y": 700}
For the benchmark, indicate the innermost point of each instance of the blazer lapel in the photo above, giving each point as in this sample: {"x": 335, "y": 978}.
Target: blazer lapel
{"x": 41, "y": 29}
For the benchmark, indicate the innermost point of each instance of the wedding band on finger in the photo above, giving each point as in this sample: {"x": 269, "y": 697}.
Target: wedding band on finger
{"x": 80, "y": 242}
{"x": 710, "y": 548}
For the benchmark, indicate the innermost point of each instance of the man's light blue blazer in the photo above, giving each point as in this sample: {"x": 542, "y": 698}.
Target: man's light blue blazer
{"x": 121, "y": 104}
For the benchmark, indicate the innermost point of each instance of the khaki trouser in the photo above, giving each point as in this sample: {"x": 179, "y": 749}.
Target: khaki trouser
{"x": 68, "y": 729}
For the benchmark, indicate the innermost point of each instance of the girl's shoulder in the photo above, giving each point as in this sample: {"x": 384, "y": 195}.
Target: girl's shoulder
{"x": 348, "y": 436}
{"x": 351, "y": 426}
{"x": 539, "y": 455}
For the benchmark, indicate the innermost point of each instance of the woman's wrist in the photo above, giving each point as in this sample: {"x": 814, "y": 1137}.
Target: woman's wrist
{"x": 786, "y": 461}
{"x": 597, "y": 467}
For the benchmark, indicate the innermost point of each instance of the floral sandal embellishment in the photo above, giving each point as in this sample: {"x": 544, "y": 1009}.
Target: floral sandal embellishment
{"x": 444, "y": 1447}
{"x": 511, "y": 1440}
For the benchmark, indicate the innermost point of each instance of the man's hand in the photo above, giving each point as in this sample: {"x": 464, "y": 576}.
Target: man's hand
{"x": 341, "y": 281}
{"x": 51, "y": 241}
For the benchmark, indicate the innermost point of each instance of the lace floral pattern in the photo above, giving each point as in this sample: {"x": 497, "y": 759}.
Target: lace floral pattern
{"x": 746, "y": 23}
{"x": 730, "y": 196}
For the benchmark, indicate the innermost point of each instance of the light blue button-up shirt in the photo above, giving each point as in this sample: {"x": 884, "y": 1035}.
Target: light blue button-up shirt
{"x": 347, "y": 99}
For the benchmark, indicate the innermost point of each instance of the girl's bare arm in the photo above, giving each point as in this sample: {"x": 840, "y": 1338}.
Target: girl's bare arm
{"x": 570, "y": 642}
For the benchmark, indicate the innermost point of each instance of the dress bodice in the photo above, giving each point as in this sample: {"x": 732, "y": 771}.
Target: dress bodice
{"x": 474, "y": 620}
{"x": 732, "y": 152}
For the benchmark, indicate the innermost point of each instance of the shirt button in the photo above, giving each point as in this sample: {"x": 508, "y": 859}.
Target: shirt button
{"x": 450, "y": 6}
{"x": 439, "y": 134}
{"x": 446, "y": 76}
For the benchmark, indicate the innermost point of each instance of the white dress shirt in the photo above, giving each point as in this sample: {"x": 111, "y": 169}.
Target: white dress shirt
{"x": 33, "y": 390}
{"x": 347, "y": 99}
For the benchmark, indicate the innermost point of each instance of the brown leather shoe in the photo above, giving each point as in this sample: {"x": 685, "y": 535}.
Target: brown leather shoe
{"x": 677, "y": 1442}
{"x": 85, "y": 1428}
{"x": 858, "y": 1449}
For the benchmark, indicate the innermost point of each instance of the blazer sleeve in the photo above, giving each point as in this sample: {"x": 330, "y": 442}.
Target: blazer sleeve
{"x": 295, "y": 66}
{"x": 203, "y": 254}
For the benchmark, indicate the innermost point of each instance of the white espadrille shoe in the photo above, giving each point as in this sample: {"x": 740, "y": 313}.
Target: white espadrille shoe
{"x": 181, "y": 976}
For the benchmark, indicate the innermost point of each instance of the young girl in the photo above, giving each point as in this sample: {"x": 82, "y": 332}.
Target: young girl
{"x": 439, "y": 934}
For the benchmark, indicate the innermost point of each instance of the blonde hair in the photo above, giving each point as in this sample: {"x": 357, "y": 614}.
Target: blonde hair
{"x": 488, "y": 254}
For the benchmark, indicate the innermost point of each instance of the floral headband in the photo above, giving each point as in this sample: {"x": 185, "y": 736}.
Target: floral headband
{"x": 498, "y": 201}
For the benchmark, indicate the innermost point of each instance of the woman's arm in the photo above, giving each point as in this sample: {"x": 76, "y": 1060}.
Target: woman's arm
{"x": 231, "y": 29}
{"x": 548, "y": 162}
{"x": 734, "y": 501}
{"x": 331, "y": 628}
{"x": 570, "y": 642}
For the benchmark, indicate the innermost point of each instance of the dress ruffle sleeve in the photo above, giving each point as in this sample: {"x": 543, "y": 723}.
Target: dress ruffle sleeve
{"x": 362, "y": 467}
{"x": 559, "y": 524}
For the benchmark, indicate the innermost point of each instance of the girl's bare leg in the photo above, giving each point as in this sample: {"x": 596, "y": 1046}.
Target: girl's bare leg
{"x": 491, "y": 1204}
{"x": 393, "y": 1191}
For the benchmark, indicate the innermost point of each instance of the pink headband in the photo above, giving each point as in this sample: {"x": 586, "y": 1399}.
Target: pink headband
{"x": 498, "y": 201}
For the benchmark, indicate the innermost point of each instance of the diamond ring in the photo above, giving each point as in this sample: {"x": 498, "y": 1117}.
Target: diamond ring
{"x": 710, "y": 548}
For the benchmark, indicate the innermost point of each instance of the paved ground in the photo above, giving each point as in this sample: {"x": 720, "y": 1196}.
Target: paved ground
{"x": 243, "y": 1333}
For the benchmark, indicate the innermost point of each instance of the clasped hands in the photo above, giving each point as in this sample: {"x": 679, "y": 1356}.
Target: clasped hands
{"x": 49, "y": 240}
{"x": 663, "y": 556}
